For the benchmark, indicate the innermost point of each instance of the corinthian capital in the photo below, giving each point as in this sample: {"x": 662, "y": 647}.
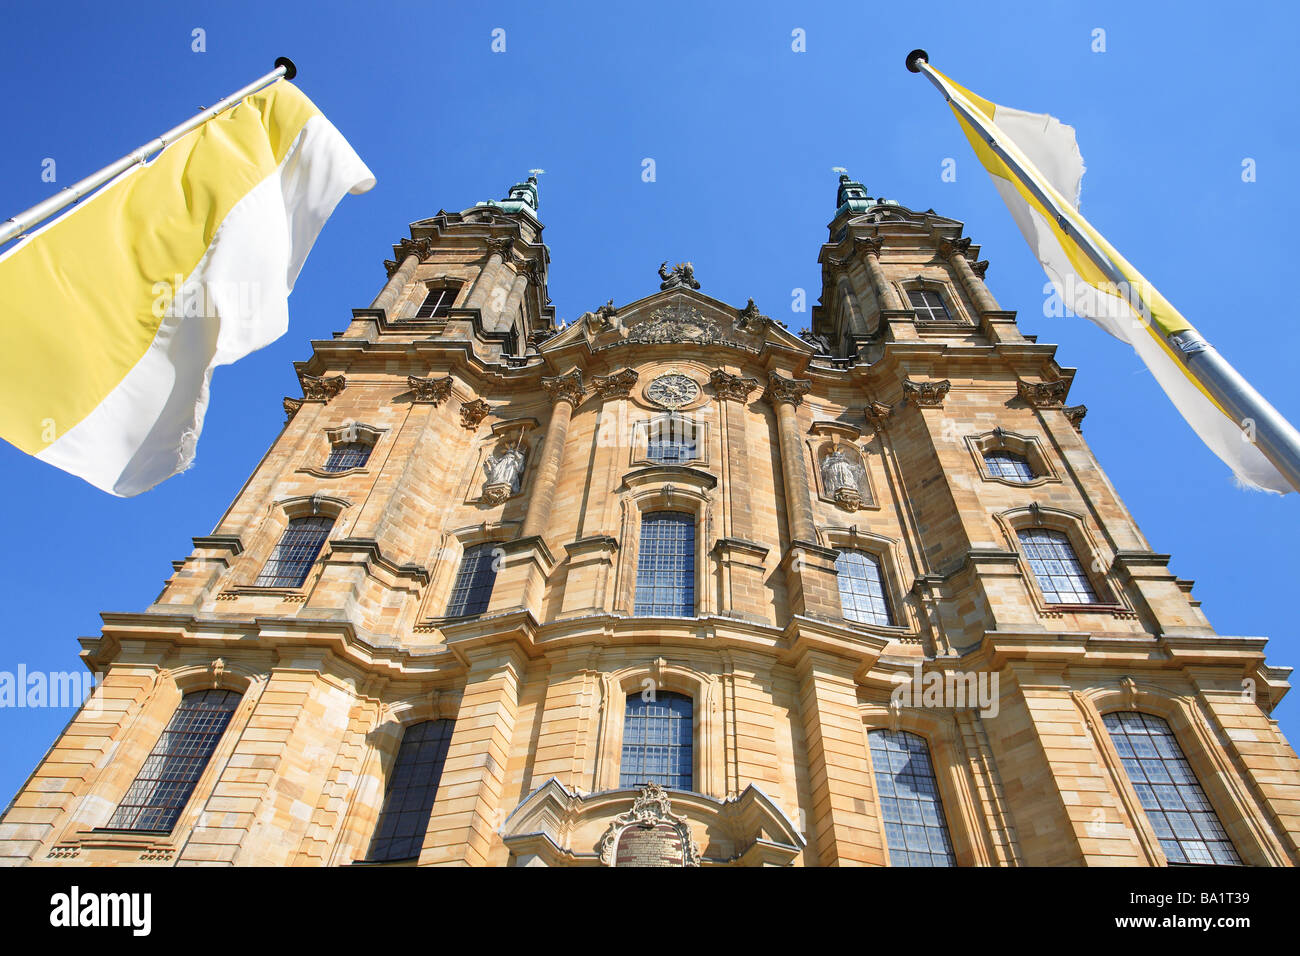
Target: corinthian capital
{"x": 432, "y": 390}
{"x": 618, "y": 385}
{"x": 565, "y": 388}
{"x": 782, "y": 390}
{"x": 320, "y": 389}
{"x": 726, "y": 385}
{"x": 948, "y": 248}
{"x": 926, "y": 394}
{"x": 1043, "y": 394}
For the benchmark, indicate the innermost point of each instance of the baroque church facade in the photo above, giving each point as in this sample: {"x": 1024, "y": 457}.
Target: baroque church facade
{"x": 673, "y": 585}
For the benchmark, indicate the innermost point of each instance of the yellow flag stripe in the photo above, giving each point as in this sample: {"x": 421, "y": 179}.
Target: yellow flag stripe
{"x": 79, "y": 300}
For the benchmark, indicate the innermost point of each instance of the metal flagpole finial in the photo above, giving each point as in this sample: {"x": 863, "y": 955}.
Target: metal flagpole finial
{"x": 290, "y": 71}
{"x": 913, "y": 57}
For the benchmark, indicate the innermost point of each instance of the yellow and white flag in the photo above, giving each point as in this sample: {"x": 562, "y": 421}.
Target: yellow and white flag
{"x": 113, "y": 316}
{"x": 1045, "y": 150}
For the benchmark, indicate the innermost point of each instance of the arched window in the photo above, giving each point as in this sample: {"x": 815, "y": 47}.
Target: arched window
{"x": 671, "y": 440}
{"x": 170, "y": 773}
{"x": 1008, "y": 465}
{"x": 665, "y": 565}
{"x": 473, "y": 588}
{"x": 412, "y": 787}
{"x": 345, "y": 455}
{"x": 928, "y": 305}
{"x": 916, "y": 833}
{"x": 295, "y": 552}
{"x": 657, "y": 741}
{"x": 438, "y": 301}
{"x": 862, "y": 588}
{"x": 1183, "y": 819}
{"x": 1060, "y": 575}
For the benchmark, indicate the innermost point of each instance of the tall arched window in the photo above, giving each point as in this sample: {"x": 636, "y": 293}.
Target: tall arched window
{"x": 665, "y": 565}
{"x": 916, "y": 833}
{"x": 474, "y": 580}
{"x": 170, "y": 773}
{"x": 657, "y": 741}
{"x": 295, "y": 552}
{"x": 412, "y": 787}
{"x": 1060, "y": 575}
{"x": 1183, "y": 819}
{"x": 862, "y": 588}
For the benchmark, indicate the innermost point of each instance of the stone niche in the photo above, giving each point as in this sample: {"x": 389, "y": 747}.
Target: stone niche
{"x": 839, "y": 466}
{"x": 648, "y": 826}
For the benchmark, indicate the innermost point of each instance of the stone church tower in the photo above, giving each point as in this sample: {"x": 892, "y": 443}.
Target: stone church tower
{"x": 673, "y": 584}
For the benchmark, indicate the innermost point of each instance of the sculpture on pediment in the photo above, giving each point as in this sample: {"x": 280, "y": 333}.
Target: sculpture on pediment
{"x": 682, "y": 276}
{"x": 820, "y": 343}
{"x": 601, "y": 319}
{"x": 752, "y": 320}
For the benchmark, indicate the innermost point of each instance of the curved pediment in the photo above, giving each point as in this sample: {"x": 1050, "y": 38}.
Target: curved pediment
{"x": 677, "y": 317}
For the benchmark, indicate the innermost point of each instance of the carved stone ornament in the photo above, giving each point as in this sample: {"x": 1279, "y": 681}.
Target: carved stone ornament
{"x": 291, "y": 406}
{"x": 320, "y": 389}
{"x": 948, "y": 248}
{"x": 751, "y": 320}
{"x": 503, "y": 247}
{"x": 979, "y": 268}
{"x": 432, "y": 390}
{"x": 726, "y": 385}
{"x": 538, "y": 336}
{"x": 567, "y": 387}
{"x": 672, "y": 390}
{"x": 617, "y": 385}
{"x": 681, "y": 277}
{"x": 821, "y": 345}
{"x": 926, "y": 394}
{"x": 1043, "y": 394}
{"x": 505, "y": 471}
{"x": 471, "y": 413}
{"x": 680, "y": 324}
{"x": 1074, "y": 415}
{"x": 843, "y": 477}
{"x": 786, "y": 390}
{"x": 601, "y": 319}
{"x": 877, "y": 413}
{"x": 867, "y": 245}
{"x": 649, "y": 834}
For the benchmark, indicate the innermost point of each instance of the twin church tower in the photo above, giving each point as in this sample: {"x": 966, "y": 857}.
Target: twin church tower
{"x": 670, "y": 584}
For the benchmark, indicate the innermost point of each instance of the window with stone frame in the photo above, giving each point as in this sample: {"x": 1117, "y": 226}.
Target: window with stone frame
{"x": 1182, "y": 817}
{"x": 862, "y": 587}
{"x": 916, "y": 832}
{"x": 295, "y": 552}
{"x": 657, "y": 741}
{"x": 170, "y": 773}
{"x": 438, "y": 300}
{"x": 1061, "y": 576}
{"x": 346, "y": 455}
{"x": 1010, "y": 466}
{"x": 665, "y": 567}
{"x": 475, "y": 579}
{"x": 411, "y": 791}
{"x": 671, "y": 440}
{"x": 928, "y": 305}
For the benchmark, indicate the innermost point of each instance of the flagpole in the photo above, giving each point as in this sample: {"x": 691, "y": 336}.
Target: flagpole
{"x": 1275, "y": 437}
{"x": 65, "y": 197}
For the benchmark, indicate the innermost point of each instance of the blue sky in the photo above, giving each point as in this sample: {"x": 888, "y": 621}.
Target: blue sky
{"x": 744, "y": 132}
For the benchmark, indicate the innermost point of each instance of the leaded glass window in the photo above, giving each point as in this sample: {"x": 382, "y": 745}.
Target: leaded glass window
{"x": 657, "y": 741}
{"x": 437, "y": 302}
{"x": 170, "y": 773}
{"x": 928, "y": 305}
{"x": 295, "y": 552}
{"x": 1184, "y": 821}
{"x": 473, "y": 588}
{"x": 1012, "y": 467}
{"x": 412, "y": 788}
{"x": 862, "y": 588}
{"x": 345, "y": 455}
{"x": 665, "y": 565}
{"x": 671, "y": 440}
{"x": 916, "y": 833}
{"x": 1060, "y": 575}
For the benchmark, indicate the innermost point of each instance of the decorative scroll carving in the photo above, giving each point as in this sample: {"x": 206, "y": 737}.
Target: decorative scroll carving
{"x": 617, "y": 385}
{"x": 435, "y": 391}
{"x": 677, "y": 323}
{"x": 320, "y": 389}
{"x": 1043, "y": 394}
{"x": 1074, "y": 414}
{"x": 926, "y": 394}
{"x": 751, "y": 320}
{"x": 649, "y": 834}
{"x": 567, "y": 387}
{"x": 672, "y": 390}
{"x": 681, "y": 277}
{"x": 786, "y": 390}
{"x": 877, "y": 413}
{"x": 291, "y": 406}
{"x": 471, "y": 413}
{"x": 726, "y": 385}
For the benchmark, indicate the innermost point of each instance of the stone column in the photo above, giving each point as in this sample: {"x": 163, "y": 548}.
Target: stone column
{"x": 505, "y": 317}
{"x": 870, "y": 249}
{"x": 487, "y": 276}
{"x": 954, "y": 250}
{"x": 566, "y": 391}
{"x": 397, "y": 283}
{"x": 785, "y": 395}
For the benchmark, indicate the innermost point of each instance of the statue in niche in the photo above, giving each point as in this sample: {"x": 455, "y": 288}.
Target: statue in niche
{"x": 504, "y": 471}
{"x": 842, "y": 477}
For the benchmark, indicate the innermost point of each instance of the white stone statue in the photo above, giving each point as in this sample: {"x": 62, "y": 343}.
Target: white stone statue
{"x": 842, "y": 478}
{"x": 506, "y": 468}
